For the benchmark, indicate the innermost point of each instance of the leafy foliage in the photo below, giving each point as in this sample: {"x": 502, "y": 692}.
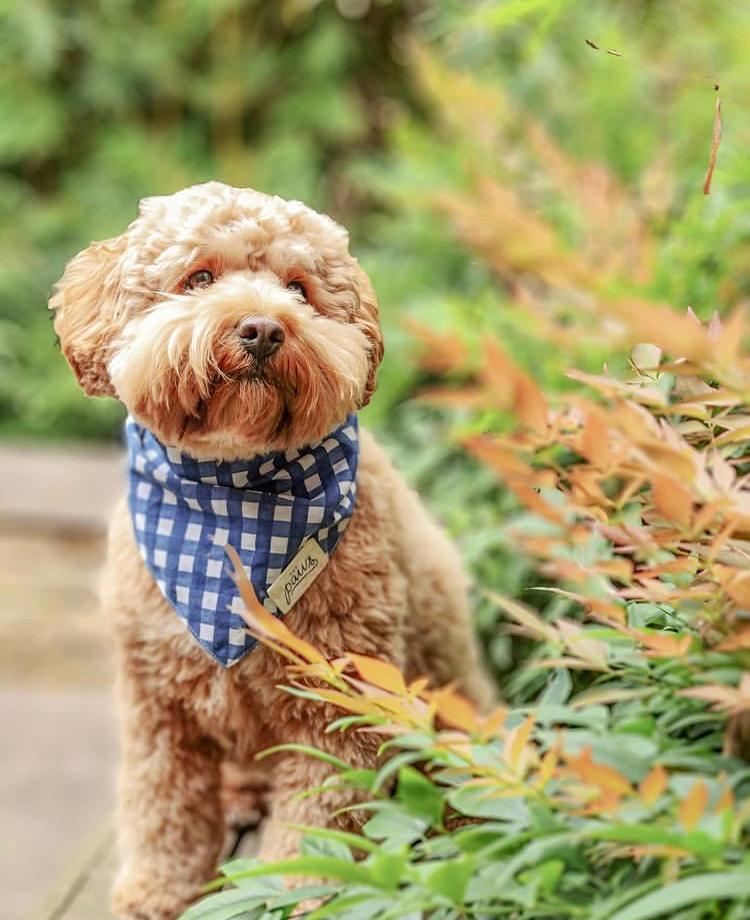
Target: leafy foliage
{"x": 606, "y": 785}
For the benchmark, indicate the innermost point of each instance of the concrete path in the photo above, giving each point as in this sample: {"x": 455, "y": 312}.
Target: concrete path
{"x": 52, "y": 486}
{"x": 58, "y": 737}
{"x": 56, "y": 786}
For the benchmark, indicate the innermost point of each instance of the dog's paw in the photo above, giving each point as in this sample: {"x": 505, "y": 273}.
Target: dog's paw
{"x": 244, "y": 807}
{"x": 146, "y": 898}
{"x": 244, "y": 796}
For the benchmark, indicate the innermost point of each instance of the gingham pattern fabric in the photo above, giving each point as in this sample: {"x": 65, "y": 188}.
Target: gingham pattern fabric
{"x": 186, "y": 511}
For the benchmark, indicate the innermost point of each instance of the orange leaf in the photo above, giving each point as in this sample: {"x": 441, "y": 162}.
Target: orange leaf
{"x": 456, "y": 711}
{"x": 658, "y": 850}
{"x": 672, "y": 500}
{"x": 494, "y": 721}
{"x": 724, "y": 699}
{"x": 725, "y": 801}
{"x": 418, "y": 686}
{"x": 651, "y": 322}
{"x": 442, "y": 351}
{"x": 499, "y": 457}
{"x": 262, "y": 622}
{"x": 735, "y": 641}
{"x": 351, "y": 703}
{"x": 738, "y": 589}
{"x": 653, "y": 784}
{"x": 595, "y": 439}
{"x": 524, "y": 615}
{"x": 468, "y": 397}
{"x": 515, "y": 743}
{"x": 715, "y": 141}
{"x": 531, "y": 406}
{"x": 547, "y": 767}
{"x": 663, "y": 645}
{"x": 692, "y": 808}
{"x": 515, "y": 387}
{"x": 379, "y": 673}
{"x": 605, "y": 778}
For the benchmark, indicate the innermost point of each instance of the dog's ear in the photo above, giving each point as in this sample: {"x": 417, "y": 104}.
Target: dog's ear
{"x": 367, "y": 319}
{"x": 350, "y": 287}
{"x": 85, "y": 302}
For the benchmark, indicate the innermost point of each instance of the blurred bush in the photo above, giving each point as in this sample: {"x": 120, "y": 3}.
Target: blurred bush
{"x": 388, "y": 115}
{"x": 106, "y": 102}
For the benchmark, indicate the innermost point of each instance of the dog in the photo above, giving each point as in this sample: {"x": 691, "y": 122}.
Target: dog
{"x": 242, "y": 337}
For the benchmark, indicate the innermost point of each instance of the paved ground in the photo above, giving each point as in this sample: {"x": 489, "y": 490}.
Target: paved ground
{"x": 58, "y": 737}
{"x": 57, "y": 776}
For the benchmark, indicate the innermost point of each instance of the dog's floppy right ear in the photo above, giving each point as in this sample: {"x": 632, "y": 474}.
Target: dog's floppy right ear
{"x": 85, "y": 301}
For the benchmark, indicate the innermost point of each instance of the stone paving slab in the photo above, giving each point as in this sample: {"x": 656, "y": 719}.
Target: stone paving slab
{"x": 52, "y": 632}
{"x": 57, "y": 765}
{"x": 56, "y": 783}
{"x": 83, "y": 893}
{"x": 53, "y": 486}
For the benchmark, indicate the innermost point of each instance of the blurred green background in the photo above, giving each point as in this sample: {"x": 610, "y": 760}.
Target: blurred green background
{"x": 373, "y": 111}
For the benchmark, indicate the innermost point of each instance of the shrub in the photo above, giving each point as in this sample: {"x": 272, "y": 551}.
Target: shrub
{"x": 607, "y": 784}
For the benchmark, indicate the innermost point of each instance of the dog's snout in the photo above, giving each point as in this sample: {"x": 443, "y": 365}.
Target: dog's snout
{"x": 261, "y": 336}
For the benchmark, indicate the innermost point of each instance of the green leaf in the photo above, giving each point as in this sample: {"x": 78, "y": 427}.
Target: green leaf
{"x": 313, "y": 844}
{"x": 476, "y": 802}
{"x": 488, "y": 838}
{"x": 225, "y": 905}
{"x": 362, "y": 779}
{"x": 557, "y": 690}
{"x": 386, "y": 869}
{"x": 720, "y": 886}
{"x": 344, "y": 903}
{"x": 305, "y": 749}
{"x": 319, "y": 866}
{"x": 545, "y": 876}
{"x": 303, "y": 893}
{"x": 451, "y": 878}
{"x": 393, "y": 765}
{"x": 420, "y": 797}
{"x": 696, "y": 842}
{"x": 345, "y": 838}
{"x": 392, "y": 826}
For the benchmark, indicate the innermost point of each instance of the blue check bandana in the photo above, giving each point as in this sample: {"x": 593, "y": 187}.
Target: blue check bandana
{"x": 284, "y": 513}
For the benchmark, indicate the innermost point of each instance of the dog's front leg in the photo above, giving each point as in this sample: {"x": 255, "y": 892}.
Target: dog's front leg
{"x": 170, "y": 821}
{"x": 294, "y": 775}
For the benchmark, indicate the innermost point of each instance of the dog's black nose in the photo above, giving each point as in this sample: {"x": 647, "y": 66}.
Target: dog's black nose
{"x": 261, "y": 336}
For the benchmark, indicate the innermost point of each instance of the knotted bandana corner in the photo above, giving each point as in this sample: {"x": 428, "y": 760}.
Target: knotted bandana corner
{"x": 283, "y": 512}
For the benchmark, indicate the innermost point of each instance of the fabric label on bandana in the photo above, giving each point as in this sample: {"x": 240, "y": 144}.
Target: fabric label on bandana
{"x": 298, "y": 575}
{"x": 284, "y": 513}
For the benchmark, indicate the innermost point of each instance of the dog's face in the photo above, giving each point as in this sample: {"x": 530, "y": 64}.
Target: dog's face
{"x": 230, "y": 323}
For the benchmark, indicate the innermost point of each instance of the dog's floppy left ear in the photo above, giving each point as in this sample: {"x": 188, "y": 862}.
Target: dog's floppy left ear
{"x": 367, "y": 319}
{"x": 350, "y": 286}
{"x": 85, "y": 302}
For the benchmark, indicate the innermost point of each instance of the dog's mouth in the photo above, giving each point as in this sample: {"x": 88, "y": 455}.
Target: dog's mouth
{"x": 259, "y": 374}
{"x": 263, "y": 374}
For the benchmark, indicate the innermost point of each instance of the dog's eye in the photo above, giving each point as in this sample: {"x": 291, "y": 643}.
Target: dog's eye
{"x": 296, "y": 287}
{"x": 201, "y": 278}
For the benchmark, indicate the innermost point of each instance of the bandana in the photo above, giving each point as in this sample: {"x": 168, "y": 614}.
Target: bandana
{"x": 283, "y": 512}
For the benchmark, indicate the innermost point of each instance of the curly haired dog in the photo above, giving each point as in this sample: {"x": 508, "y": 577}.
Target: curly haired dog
{"x": 236, "y": 325}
